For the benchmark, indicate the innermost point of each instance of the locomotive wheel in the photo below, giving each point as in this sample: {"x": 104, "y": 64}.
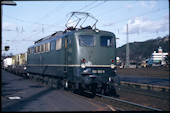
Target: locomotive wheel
{"x": 45, "y": 79}
{"x": 25, "y": 76}
{"x": 50, "y": 82}
{"x": 55, "y": 83}
{"x": 16, "y": 72}
{"x": 103, "y": 89}
{"x": 59, "y": 84}
{"x": 41, "y": 78}
{"x": 31, "y": 76}
{"x": 93, "y": 90}
{"x": 112, "y": 91}
{"x": 35, "y": 77}
{"x": 38, "y": 78}
{"x": 80, "y": 90}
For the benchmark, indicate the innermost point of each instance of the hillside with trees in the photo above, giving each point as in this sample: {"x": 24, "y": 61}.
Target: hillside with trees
{"x": 142, "y": 50}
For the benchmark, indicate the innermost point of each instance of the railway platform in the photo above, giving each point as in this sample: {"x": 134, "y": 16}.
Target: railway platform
{"x": 19, "y": 94}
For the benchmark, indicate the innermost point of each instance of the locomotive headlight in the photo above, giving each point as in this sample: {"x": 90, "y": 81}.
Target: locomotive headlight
{"x": 83, "y": 65}
{"x": 112, "y": 66}
{"x": 25, "y": 68}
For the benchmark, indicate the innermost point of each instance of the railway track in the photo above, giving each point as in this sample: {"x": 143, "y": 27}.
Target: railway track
{"x": 130, "y": 104}
{"x": 161, "y": 95}
{"x": 146, "y": 86}
{"x": 122, "y": 105}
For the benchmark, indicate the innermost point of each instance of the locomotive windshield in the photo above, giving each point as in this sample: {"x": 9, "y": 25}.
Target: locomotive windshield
{"x": 86, "y": 40}
{"x": 106, "y": 41}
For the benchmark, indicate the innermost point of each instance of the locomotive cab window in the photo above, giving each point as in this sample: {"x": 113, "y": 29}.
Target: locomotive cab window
{"x": 106, "y": 41}
{"x": 86, "y": 40}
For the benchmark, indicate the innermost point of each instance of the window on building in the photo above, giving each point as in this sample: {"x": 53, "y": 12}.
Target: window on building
{"x": 58, "y": 44}
{"x": 106, "y": 41}
{"x": 86, "y": 40}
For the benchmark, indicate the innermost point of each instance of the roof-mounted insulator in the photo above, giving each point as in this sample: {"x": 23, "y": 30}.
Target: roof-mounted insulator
{"x": 88, "y": 27}
{"x": 70, "y": 28}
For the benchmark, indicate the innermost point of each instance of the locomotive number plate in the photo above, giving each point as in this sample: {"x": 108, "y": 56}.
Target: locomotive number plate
{"x": 98, "y": 71}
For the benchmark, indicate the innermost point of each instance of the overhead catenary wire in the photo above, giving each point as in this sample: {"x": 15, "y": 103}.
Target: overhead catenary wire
{"x": 141, "y": 15}
{"x": 118, "y": 29}
{"x": 96, "y": 5}
{"x": 47, "y": 15}
{"x": 141, "y": 37}
{"x": 87, "y": 6}
{"x": 65, "y": 18}
{"x": 60, "y": 21}
{"x": 112, "y": 10}
{"x": 19, "y": 40}
{"x": 136, "y": 16}
{"x": 50, "y": 26}
{"x": 56, "y": 9}
{"x": 26, "y": 21}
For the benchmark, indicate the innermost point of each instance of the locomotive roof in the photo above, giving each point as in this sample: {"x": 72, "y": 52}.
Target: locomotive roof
{"x": 58, "y": 33}
{"x": 63, "y": 34}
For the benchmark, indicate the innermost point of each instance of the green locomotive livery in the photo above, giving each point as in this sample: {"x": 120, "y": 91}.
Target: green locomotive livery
{"x": 83, "y": 59}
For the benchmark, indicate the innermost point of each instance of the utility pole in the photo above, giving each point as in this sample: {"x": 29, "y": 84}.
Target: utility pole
{"x": 10, "y": 3}
{"x": 127, "y": 49}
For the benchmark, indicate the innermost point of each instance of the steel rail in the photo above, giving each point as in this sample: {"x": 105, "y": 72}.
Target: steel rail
{"x": 143, "y": 92}
{"x": 131, "y": 103}
{"x": 143, "y": 85}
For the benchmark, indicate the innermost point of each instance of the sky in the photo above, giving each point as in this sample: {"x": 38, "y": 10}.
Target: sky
{"x": 29, "y": 21}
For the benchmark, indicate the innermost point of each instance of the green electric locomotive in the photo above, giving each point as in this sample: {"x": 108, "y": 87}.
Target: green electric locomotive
{"x": 76, "y": 59}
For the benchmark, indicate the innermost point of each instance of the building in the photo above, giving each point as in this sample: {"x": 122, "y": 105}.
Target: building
{"x": 159, "y": 58}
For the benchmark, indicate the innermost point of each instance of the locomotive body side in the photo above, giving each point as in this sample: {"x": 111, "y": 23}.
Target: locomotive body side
{"x": 52, "y": 60}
